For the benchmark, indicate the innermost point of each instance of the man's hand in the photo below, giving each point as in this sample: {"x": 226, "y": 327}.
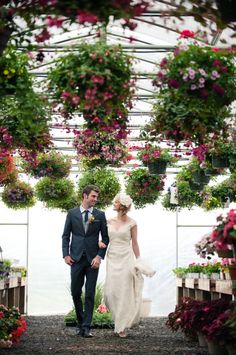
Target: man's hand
{"x": 68, "y": 260}
{"x": 96, "y": 262}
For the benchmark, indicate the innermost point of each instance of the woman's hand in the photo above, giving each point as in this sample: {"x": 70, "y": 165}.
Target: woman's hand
{"x": 101, "y": 245}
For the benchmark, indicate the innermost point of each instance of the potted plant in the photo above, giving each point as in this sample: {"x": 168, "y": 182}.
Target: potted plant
{"x": 54, "y": 192}
{"x": 18, "y": 195}
{"x": 196, "y": 84}
{"x": 99, "y": 148}
{"x": 12, "y": 326}
{"x": 52, "y": 164}
{"x": 143, "y": 187}
{"x": 224, "y": 236}
{"x": 225, "y": 191}
{"x": 155, "y": 158}
{"x": 220, "y": 152}
{"x": 105, "y": 179}
{"x": 98, "y": 75}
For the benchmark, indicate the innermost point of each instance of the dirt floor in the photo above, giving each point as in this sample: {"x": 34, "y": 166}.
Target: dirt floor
{"x": 49, "y": 335}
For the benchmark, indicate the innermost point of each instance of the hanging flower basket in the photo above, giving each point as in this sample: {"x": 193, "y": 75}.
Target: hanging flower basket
{"x": 106, "y": 180}
{"x": 225, "y": 253}
{"x": 19, "y": 195}
{"x": 196, "y": 88}
{"x": 52, "y": 164}
{"x": 157, "y": 167}
{"x": 99, "y": 148}
{"x": 220, "y": 161}
{"x": 200, "y": 177}
{"x": 143, "y": 187}
{"x": 53, "y": 192}
{"x": 98, "y": 75}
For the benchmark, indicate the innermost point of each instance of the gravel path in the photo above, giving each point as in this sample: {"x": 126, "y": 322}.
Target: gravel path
{"x": 49, "y": 335}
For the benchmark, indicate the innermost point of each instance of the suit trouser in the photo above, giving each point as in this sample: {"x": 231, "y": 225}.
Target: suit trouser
{"x": 79, "y": 271}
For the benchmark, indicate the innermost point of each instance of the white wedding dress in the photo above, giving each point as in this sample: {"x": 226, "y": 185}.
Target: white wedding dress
{"x": 124, "y": 280}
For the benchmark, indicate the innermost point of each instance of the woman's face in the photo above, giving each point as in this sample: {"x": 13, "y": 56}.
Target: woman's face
{"x": 116, "y": 205}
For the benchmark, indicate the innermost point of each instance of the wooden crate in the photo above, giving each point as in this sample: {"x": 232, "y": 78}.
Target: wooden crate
{"x": 191, "y": 283}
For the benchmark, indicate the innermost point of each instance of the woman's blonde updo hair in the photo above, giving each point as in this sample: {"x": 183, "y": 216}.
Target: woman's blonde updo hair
{"x": 125, "y": 202}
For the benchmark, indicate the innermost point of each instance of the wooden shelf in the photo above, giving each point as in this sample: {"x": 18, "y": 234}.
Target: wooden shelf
{"x": 12, "y": 292}
{"x": 205, "y": 289}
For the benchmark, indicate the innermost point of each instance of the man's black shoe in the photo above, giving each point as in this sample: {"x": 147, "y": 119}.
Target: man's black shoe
{"x": 79, "y": 331}
{"x": 87, "y": 334}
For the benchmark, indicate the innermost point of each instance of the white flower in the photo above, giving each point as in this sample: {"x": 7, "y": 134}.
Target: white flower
{"x": 124, "y": 199}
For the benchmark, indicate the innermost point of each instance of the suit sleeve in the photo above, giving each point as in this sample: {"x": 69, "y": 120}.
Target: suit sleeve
{"x": 66, "y": 236}
{"x": 104, "y": 233}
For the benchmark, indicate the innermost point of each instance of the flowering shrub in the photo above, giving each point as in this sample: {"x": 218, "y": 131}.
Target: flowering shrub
{"x": 106, "y": 180}
{"x": 18, "y": 195}
{"x": 143, "y": 187}
{"x": 52, "y": 164}
{"x": 12, "y": 326}
{"x": 99, "y": 148}
{"x": 99, "y": 75}
{"x": 224, "y": 233}
{"x": 151, "y": 154}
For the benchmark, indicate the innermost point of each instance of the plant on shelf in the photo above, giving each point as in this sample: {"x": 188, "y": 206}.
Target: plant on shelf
{"x": 205, "y": 248}
{"x": 105, "y": 179}
{"x": 197, "y": 85}
{"x": 52, "y": 164}
{"x": 98, "y": 75}
{"x": 12, "y": 326}
{"x": 5, "y": 268}
{"x": 180, "y": 272}
{"x": 143, "y": 187}
{"x": 54, "y": 192}
{"x": 98, "y": 148}
{"x": 18, "y": 195}
{"x": 154, "y": 157}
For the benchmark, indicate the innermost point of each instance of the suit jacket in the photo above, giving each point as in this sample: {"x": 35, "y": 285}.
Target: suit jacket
{"x": 75, "y": 240}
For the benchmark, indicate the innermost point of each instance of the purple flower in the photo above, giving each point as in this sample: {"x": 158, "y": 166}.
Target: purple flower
{"x": 174, "y": 83}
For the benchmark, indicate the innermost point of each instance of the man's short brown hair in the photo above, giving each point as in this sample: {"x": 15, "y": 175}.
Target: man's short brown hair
{"x": 87, "y": 189}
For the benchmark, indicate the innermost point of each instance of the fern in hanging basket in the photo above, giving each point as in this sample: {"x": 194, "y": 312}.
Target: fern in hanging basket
{"x": 143, "y": 187}
{"x": 106, "y": 180}
{"x": 52, "y": 164}
{"x": 53, "y": 192}
{"x": 19, "y": 195}
{"x": 98, "y": 75}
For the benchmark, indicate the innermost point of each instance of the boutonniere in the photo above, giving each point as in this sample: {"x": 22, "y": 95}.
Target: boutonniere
{"x": 91, "y": 219}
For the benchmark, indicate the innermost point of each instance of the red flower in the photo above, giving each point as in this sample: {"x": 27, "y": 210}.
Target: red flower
{"x": 187, "y": 34}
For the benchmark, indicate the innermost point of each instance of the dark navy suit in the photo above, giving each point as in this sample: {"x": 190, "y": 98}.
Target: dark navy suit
{"x": 83, "y": 247}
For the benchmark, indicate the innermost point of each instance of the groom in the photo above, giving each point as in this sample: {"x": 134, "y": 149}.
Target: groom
{"x": 81, "y": 251}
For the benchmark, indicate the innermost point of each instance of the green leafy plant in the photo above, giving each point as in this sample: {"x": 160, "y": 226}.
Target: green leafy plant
{"x": 143, "y": 187}
{"x": 180, "y": 271}
{"x": 54, "y": 192}
{"x": 106, "y": 180}
{"x": 102, "y": 317}
{"x": 52, "y": 164}
{"x": 18, "y": 195}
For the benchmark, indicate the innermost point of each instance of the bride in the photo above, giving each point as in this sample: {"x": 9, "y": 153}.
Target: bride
{"x": 124, "y": 281}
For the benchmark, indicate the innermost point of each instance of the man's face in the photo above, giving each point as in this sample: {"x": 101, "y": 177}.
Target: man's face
{"x": 91, "y": 198}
